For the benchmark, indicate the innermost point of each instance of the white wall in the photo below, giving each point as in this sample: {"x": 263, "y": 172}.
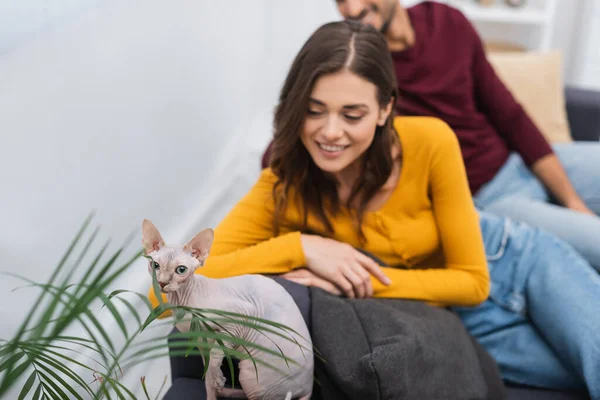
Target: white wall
{"x": 586, "y": 51}
{"x": 21, "y": 20}
{"x": 135, "y": 109}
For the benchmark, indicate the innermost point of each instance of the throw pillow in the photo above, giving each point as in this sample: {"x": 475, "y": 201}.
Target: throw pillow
{"x": 535, "y": 80}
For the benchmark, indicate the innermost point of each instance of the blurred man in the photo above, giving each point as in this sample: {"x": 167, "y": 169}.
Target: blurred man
{"x": 442, "y": 71}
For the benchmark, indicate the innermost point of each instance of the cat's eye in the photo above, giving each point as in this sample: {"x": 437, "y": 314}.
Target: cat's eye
{"x": 155, "y": 265}
{"x": 181, "y": 269}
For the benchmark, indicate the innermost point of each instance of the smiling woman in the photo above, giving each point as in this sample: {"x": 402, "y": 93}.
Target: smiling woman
{"x": 345, "y": 123}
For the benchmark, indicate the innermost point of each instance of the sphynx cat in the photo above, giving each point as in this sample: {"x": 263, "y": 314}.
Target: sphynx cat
{"x": 252, "y": 295}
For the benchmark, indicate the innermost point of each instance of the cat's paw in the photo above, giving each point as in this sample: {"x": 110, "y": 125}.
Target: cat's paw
{"x": 219, "y": 381}
{"x": 216, "y": 379}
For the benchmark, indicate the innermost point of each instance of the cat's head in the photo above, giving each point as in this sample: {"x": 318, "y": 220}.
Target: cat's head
{"x": 174, "y": 265}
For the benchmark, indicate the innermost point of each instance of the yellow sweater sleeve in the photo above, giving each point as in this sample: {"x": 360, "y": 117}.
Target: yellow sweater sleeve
{"x": 244, "y": 242}
{"x": 465, "y": 280}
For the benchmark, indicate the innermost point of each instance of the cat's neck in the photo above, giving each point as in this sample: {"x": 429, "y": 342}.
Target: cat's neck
{"x": 182, "y": 297}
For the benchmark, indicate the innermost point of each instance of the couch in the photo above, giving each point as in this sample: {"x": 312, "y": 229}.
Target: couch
{"x": 583, "y": 113}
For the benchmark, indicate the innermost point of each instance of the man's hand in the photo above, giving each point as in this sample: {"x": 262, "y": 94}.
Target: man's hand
{"x": 550, "y": 172}
{"x": 304, "y": 277}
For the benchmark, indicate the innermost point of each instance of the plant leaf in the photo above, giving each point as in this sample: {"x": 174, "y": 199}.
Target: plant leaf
{"x": 145, "y": 389}
{"x": 156, "y": 312}
{"x": 116, "y": 386}
{"x": 81, "y": 256}
{"x": 115, "y": 314}
{"x": 123, "y": 387}
{"x": 132, "y": 310}
{"x": 43, "y": 358}
{"x": 232, "y": 339}
{"x": 196, "y": 326}
{"x": 27, "y": 386}
{"x": 6, "y": 349}
{"x": 246, "y": 350}
{"x": 49, "y": 312}
{"x": 51, "y": 388}
{"x": 45, "y": 314}
{"x": 38, "y": 392}
{"x": 252, "y": 318}
{"x": 141, "y": 296}
{"x": 11, "y": 361}
{"x": 179, "y": 315}
{"x": 100, "y": 329}
{"x": 229, "y": 361}
{"x": 59, "y": 379}
{"x": 202, "y": 349}
{"x": 171, "y": 353}
{"x": 156, "y": 287}
{"x": 89, "y": 272}
{"x": 47, "y": 348}
{"x": 161, "y": 388}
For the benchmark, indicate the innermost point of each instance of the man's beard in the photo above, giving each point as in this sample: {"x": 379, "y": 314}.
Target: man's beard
{"x": 386, "y": 23}
{"x": 374, "y": 9}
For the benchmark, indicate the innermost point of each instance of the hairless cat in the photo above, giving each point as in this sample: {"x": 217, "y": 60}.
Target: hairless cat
{"x": 252, "y": 295}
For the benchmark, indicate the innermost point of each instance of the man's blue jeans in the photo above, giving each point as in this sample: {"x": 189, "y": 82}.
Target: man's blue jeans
{"x": 541, "y": 321}
{"x": 516, "y": 193}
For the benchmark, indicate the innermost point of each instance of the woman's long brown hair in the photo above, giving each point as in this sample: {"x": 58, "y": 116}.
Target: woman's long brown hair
{"x": 334, "y": 47}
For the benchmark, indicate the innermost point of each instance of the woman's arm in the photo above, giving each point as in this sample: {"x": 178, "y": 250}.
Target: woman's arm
{"x": 465, "y": 280}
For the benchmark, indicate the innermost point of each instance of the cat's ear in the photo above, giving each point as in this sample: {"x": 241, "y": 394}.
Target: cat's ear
{"x": 151, "y": 239}
{"x": 200, "y": 244}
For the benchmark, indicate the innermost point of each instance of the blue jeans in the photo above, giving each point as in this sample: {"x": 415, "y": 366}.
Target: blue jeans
{"x": 541, "y": 321}
{"x": 516, "y": 193}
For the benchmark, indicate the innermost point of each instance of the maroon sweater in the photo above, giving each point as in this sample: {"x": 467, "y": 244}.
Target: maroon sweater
{"x": 446, "y": 75}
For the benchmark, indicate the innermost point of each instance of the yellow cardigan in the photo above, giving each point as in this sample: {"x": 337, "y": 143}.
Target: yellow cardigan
{"x": 429, "y": 227}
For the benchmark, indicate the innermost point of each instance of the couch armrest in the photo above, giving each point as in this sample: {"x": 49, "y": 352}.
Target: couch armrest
{"x": 583, "y": 112}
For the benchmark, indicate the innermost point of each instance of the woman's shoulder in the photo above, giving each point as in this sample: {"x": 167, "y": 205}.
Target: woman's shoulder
{"x": 265, "y": 182}
{"x": 267, "y": 176}
{"x": 425, "y": 132}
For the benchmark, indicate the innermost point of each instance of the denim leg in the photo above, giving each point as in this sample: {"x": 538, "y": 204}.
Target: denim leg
{"x": 522, "y": 354}
{"x": 513, "y": 180}
{"x": 579, "y": 230}
{"x": 517, "y": 194}
{"x": 581, "y": 161}
{"x": 563, "y": 294}
{"x": 518, "y": 324}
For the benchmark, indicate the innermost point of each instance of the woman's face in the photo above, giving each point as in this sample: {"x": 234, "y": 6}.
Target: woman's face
{"x": 342, "y": 116}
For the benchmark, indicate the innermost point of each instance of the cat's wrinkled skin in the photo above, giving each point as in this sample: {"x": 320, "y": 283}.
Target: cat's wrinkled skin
{"x": 252, "y": 295}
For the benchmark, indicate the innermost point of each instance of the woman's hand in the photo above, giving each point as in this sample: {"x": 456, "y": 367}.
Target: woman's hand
{"x": 304, "y": 277}
{"x": 342, "y": 265}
